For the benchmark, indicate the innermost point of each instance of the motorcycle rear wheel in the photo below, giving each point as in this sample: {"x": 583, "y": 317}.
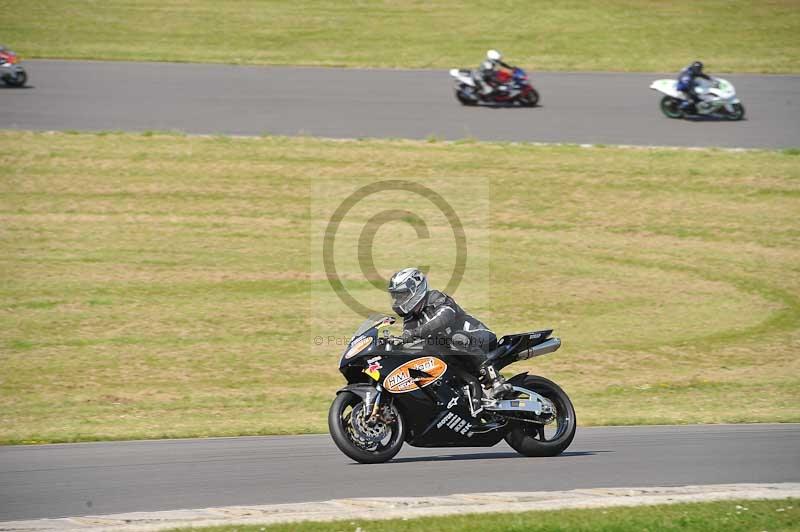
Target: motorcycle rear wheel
{"x": 671, "y": 107}
{"x": 464, "y": 99}
{"x": 531, "y": 439}
{"x": 18, "y": 80}
{"x": 340, "y": 427}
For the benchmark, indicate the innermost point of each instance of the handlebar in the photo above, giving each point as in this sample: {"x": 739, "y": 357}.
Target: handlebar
{"x": 394, "y": 340}
{"x": 398, "y": 340}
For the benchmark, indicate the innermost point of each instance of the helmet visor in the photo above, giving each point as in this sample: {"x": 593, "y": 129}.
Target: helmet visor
{"x": 401, "y": 298}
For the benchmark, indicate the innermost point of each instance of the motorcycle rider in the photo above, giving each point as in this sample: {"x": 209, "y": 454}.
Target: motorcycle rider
{"x": 435, "y": 317}
{"x": 686, "y": 80}
{"x": 488, "y": 71}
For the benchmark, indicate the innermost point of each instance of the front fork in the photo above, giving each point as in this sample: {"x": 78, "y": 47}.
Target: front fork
{"x": 372, "y": 404}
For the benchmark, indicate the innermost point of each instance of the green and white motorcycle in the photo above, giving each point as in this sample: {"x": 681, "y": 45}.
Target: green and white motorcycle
{"x": 717, "y": 99}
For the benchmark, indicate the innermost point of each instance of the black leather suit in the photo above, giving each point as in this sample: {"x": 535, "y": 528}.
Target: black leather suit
{"x": 441, "y": 321}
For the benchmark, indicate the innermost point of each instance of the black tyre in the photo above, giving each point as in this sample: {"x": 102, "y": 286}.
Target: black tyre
{"x": 738, "y": 112}
{"x": 363, "y": 443}
{"x": 531, "y": 99}
{"x": 533, "y": 439}
{"x": 17, "y": 80}
{"x": 671, "y": 107}
{"x": 464, "y": 99}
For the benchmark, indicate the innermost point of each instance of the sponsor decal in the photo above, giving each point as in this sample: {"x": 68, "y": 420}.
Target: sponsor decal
{"x": 358, "y": 345}
{"x": 384, "y": 322}
{"x": 374, "y": 369}
{"x": 401, "y": 381}
{"x": 455, "y": 423}
{"x": 453, "y": 402}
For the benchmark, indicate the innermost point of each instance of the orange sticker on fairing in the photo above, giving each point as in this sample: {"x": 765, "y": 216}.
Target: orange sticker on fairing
{"x": 401, "y": 381}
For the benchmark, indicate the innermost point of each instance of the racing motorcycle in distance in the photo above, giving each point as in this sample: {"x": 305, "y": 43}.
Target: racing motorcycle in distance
{"x": 422, "y": 394}
{"x": 512, "y": 88}
{"x": 11, "y": 71}
{"x": 717, "y": 98}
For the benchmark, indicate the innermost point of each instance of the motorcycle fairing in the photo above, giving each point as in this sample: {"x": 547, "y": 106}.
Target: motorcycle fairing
{"x": 425, "y": 408}
{"x": 369, "y": 329}
{"x": 439, "y": 416}
{"x": 415, "y": 374}
{"x": 464, "y": 76}
{"x": 722, "y": 95}
{"x": 668, "y": 87}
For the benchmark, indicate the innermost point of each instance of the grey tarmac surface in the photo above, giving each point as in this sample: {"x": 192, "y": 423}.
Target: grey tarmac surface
{"x": 116, "y": 477}
{"x": 596, "y": 108}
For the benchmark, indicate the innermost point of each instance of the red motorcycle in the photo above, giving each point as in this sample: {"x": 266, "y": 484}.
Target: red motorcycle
{"x": 510, "y": 87}
{"x": 11, "y": 72}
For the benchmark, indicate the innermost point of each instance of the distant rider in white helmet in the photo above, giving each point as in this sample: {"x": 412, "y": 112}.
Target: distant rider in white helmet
{"x": 488, "y": 71}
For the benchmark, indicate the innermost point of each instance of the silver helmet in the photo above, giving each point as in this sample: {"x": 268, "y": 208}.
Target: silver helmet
{"x": 407, "y": 288}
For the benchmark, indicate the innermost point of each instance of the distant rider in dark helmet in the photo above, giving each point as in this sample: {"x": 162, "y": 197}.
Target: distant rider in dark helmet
{"x": 434, "y": 316}
{"x": 488, "y": 70}
{"x": 686, "y": 82}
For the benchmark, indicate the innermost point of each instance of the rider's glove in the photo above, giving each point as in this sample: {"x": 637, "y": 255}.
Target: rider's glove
{"x": 408, "y": 335}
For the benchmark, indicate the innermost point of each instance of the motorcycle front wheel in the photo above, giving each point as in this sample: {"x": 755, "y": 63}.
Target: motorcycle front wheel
{"x": 531, "y": 99}
{"x": 17, "y": 80}
{"x": 364, "y": 442}
{"x": 738, "y": 112}
{"x": 535, "y": 439}
{"x": 671, "y": 107}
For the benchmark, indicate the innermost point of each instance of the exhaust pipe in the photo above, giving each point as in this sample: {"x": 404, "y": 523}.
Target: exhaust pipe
{"x": 544, "y": 348}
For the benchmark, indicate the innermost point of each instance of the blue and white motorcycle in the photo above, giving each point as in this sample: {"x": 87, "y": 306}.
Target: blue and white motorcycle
{"x": 717, "y": 98}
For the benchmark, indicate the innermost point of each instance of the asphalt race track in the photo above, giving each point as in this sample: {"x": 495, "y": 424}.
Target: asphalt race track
{"x": 115, "y": 477}
{"x": 597, "y": 108}
{"x": 102, "y": 478}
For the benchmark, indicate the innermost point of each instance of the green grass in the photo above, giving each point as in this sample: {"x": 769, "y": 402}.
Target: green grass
{"x": 728, "y": 516}
{"x": 613, "y": 35}
{"x": 167, "y": 286}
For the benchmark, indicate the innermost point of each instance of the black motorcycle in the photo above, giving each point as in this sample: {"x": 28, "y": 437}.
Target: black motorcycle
{"x": 432, "y": 396}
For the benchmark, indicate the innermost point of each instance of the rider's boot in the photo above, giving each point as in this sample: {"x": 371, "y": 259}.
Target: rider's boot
{"x": 690, "y": 105}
